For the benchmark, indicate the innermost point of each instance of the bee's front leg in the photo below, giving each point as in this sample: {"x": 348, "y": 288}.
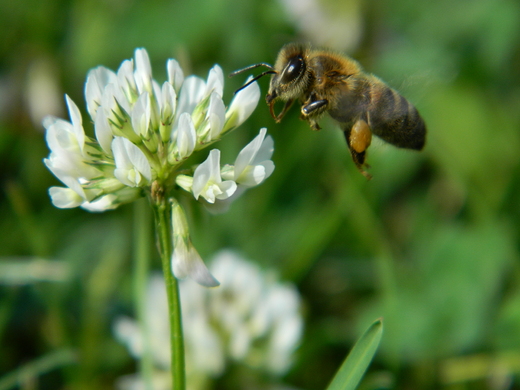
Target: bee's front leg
{"x": 278, "y": 118}
{"x": 312, "y": 109}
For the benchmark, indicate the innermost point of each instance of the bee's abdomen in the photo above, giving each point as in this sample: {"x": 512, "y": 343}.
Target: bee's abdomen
{"x": 395, "y": 120}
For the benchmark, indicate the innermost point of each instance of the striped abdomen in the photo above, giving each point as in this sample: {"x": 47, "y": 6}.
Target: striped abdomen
{"x": 394, "y": 119}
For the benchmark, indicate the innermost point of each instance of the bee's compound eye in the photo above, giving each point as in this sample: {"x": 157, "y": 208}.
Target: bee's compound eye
{"x": 293, "y": 69}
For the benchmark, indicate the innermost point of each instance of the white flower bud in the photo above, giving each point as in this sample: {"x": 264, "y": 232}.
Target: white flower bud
{"x": 186, "y": 261}
{"x": 243, "y": 104}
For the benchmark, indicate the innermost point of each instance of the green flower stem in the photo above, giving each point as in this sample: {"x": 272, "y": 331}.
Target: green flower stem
{"x": 163, "y": 221}
{"x": 142, "y": 246}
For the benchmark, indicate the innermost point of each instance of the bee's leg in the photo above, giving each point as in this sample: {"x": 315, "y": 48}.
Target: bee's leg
{"x": 278, "y": 118}
{"x": 358, "y": 140}
{"x": 311, "y": 107}
{"x": 313, "y": 123}
{"x": 312, "y": 110}
{"x": 360, "y": 136}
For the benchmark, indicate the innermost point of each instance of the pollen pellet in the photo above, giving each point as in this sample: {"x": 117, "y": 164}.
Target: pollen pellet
{"x": 360, "y": 136}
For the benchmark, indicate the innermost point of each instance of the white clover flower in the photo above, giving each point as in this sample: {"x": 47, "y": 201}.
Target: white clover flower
{"x": 255, "y": 309}
{"x": 144, "y": 133}
{"x": 340, "y": 28}
{"x": 251, "y": 319}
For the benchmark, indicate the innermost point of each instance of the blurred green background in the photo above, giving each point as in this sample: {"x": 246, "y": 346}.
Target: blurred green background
{"x": 430, "y": 243}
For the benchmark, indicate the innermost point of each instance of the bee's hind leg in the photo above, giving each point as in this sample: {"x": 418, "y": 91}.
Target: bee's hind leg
{"x": 358, "y": 139}
{"x": 359, "y": 160}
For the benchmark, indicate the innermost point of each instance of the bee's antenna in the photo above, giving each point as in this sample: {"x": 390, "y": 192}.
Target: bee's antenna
{"x": 249, "y": 68}
{"x": 254, "y": 79}
{"x": 270, "y": 71}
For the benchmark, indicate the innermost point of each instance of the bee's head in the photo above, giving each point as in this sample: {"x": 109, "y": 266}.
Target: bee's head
{"x": 290, "y": 75}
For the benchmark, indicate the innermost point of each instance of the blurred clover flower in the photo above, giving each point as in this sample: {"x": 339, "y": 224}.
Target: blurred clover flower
{"x": 252, "y": 319}
{"x": 144, "y": 132}
{"x": 337, "y": 25}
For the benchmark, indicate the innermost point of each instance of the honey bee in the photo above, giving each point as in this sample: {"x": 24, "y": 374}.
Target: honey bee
{"x": 362, "y": 104}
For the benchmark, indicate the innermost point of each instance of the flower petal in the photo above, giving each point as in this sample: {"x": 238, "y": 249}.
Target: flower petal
{"x": 143, "y": 71}
{"x": 139, "y": 160}
{"x": 97, "y": 79}
{"x": 214, "y": 166}
{"x": 192, "y": 92}
{"x": 131, "y": 163}
{"x": 126, "y": 80}
{"x": 248, "y": 153}
{"x": 168, "y": 103}
{"x": 113, "y": 102}
{"x": 253, "y": 164}
{"x": 186, "y": 261}
{"x": 228, "y": 188}
{"x": 266, "y": 150}
{"x": 103, "y": 131}
{"x": 70, "y": 181}
{"x": 207, "y": 181}
{"x": 200, "y": 179}
{"x": 65, "y": 154}
{"x": 215, "y": 81}
{"x": 222, "y": 205}
{"x": 243, "y": 104}
{"x": 175, "y": 74}
{"x": 186, "y": 136}
{"x": 141, "y": 114}
{"x": 65, "y": 198}
{"x": 107, "y": 202}
{"x": 77, "y": 122}
{"x": 216, "y": 116}
{"x": 203, "y": 173}
{"x": 252, "y": 176}
{"x": 119, "y": 152}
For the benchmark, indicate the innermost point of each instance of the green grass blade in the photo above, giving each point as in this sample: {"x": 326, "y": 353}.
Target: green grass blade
{"x": 29, "y": 372}
{"x": 353, "y": 368}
